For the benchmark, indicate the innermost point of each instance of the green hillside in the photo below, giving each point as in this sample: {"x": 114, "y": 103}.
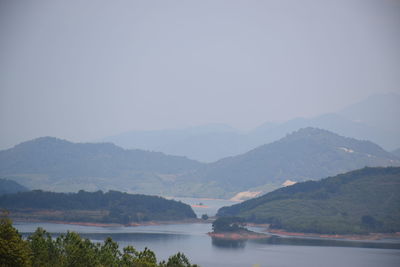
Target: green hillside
{"x": 110, "y": 207}
{"x": 366, "y": 200}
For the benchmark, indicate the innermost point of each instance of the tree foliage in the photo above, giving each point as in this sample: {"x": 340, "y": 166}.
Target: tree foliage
{"x": 204, "y": 217}
{"x": 71, "y": 250}
{"x": 228, "y": 224}
{"x": 177, "y": 260}
{"x": 14, "y": 251}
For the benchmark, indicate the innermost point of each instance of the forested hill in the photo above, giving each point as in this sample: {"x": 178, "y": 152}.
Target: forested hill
{"x": 366, "y": 200}
{"x": 110, "y": 207}
{"x": 308, "y": 153}
{"x": 57, "y": 165}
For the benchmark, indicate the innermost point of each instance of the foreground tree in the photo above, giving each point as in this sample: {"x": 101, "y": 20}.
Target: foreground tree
{"x": 177, "y": 260}
{"x": 43, "y": 249}
{"x": 14, "y": 251}
{"x": 71, "y": 250}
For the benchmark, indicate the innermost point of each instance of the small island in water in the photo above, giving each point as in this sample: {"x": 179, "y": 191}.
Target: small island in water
{"x": 233, "y": 228}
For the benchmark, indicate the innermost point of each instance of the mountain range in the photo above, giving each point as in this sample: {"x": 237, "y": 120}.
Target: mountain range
{"x": 374, "y": 119}
{"x": 57, "y": 165}
{"x": 308, "y": 153}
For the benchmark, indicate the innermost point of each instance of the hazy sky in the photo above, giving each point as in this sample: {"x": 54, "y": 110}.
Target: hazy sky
{"x": 82, "y": 70}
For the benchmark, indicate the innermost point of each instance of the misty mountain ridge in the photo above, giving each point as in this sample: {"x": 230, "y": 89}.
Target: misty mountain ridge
{"x": 396, "y": 152}
{"x": 82, "y": 156}
{"x": 377, "y": 111}
{"x": 374, "y": 119}
{"x": 308, "y": 153}
{"x": 52, "y": 164}
{"x": 204, "y": 143}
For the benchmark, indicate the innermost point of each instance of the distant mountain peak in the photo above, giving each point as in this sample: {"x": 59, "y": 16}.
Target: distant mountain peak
{"x": 43, "y": 141}
{"x": 380, "y": 111}
{"x": 308, "y": 153}
{"x": 310, "y": 131}
{"x": 46, "y": 139}
{"x": 49, "y": 142}
{"x": 325, "y": 138}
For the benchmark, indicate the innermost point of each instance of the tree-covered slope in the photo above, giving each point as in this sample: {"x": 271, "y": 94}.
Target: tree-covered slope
{"x": 97, "y": 206}
{"x": 366, "y": 200}
{"x": 10, "y": 187}
{"x": 309, "y": 153}
{"x": 58, "y": 165}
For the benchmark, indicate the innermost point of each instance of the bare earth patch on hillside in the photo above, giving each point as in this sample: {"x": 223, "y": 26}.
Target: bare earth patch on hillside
{"x": 241, "y": 196}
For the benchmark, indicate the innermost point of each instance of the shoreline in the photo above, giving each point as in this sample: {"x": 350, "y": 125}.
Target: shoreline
{"x": 233, "y": 236}
{"x": 349, "y": 237}
{"x": 238, "y": 236}
{"x": 99, "y": 224}
{"x": 345, "y": 237}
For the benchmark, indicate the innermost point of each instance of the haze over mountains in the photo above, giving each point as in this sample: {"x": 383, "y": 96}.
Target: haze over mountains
{"x": 53, "y": 164}
{"x": 310, "y": 153}
{"x": 374, "y": 119}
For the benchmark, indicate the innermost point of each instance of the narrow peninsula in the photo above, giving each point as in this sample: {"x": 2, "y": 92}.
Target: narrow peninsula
{"x": 84, "y": 207}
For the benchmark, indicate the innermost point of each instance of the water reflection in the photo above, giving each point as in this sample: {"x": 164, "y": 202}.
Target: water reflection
{"x": 227, "y": 243}
{"x": 276, "y": 240}
{"x": 128, "y": 237}
{"x": 193, "y": 241}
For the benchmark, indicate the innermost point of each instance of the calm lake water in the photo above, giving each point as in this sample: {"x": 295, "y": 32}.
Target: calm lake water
{"x": 192, "y": 240}
{"x": 207, "y": 206}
